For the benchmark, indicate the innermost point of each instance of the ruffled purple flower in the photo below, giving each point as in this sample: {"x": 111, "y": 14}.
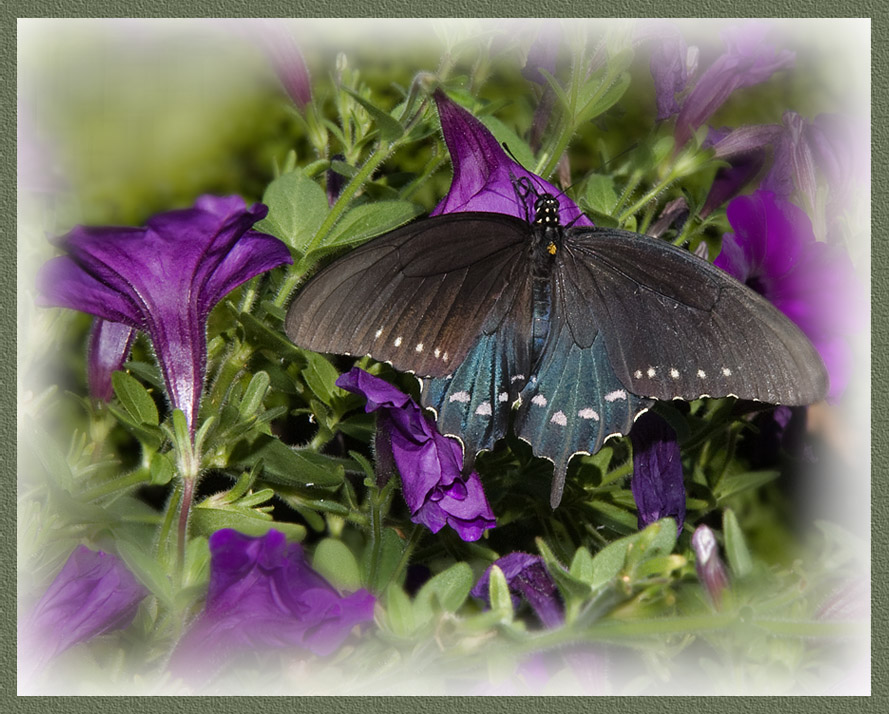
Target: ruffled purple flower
{"x": 657, "y": 484}
{"x": 709, "y": 566}
{"x": 263, "y": 595}
{"x": 484, "y": 175}
{"x": 94, "y": 593}
{"x": 528, "y": 579}
{"x": 435, "y": 489}
{"x": 163, "y": 279}
{"x": 773, "y": 250}
{"x": 749, "y": 59}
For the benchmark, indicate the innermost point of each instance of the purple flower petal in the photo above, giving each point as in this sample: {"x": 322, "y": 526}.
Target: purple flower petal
{"x": 748, "y": 60}
{"x": 283, "y": 52}
{"x": 657, "y": 484}
{"x": 708, "y": 564}
{"x": 264, "y": 595}
{"x": 164, "y": 279}
{"x": 94, "y": 593}
{"x": 108, "y": 349}
{"x": 668, "y": 64}
{"x": 484, "y": 173}
{"x": 434, "y": 487}
{"x": 527, "y": 578}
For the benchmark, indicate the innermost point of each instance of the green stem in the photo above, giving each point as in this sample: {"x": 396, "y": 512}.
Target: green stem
{"x": 649, "y": 196}
{"x": 184, "y": 511}
{"x": 170, "y": 517}
{"x": 338, "y": 208}
{"x": 414, "y": 538}
{"x": 228, "y": 372}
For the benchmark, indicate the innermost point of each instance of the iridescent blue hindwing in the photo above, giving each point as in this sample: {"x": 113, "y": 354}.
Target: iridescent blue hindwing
{"x": 573, "y": 404}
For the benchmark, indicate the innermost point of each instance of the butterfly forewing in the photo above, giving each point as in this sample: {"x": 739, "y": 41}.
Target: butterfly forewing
{"x": 675, "y": 326}
{"x": 417, "y": 297}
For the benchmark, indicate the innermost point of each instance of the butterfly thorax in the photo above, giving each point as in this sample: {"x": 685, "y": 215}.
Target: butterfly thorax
{"x": 545, "y": 244}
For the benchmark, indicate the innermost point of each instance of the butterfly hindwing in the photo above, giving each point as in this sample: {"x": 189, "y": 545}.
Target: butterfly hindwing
{"x": 676, "y": 326}
{"x": 417, "y": 297}
{"x": 475, "y": 401}
{"x": 574, "y": 401}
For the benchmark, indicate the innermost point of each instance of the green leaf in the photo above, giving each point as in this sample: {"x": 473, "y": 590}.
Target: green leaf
{"x": 735, "y": 545}
{"x": 261, "y": 335}
{"x": 286, "y": 465}
{"x": 251, "y": 402}
{"x": 570, "y": 586}
{"x": 449, "y": 588}
{"x": 611, "y": 97}
{"x": 135, "y": 398}
{"x": 335, "y": 561}
{"x": 582, "y": 565}
{"x": 498, "y": 594}
{"x": 297, "y": 207}
{"x": 210, "y": 516}
{"x": 152, "y": 437}
{"x": 389, "y": 552}
{"x": 390, "y": 128}
{"x": 147, "y": 570}
{"x": 737, "y": 483}
{"x": 368, "y": 220}
{"x": 320, "y": 375}
{"x": 657, "y": 539}
{"x": 161, "y": 469}
{"x": 399, "y": 611}
{"x": 50, "y": 456}
{"x": 600, "y": 195}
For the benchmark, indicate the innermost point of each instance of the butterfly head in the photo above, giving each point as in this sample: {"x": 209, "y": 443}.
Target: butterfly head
{"x": 546, "y": 210}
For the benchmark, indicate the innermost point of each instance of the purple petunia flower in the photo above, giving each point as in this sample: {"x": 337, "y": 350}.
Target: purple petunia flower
{"x": 528, "y": 578}
{"x": 94, "y": 593}
{"x": 749, "y": 59}
{"x": 263, "y": 595}
{"x": 484, "y": 174}
{"x": 773, "y": 250}
{"x": 657, "y": 484}
{"x": 435, "y": 490}
{"x": 163, "y": 279}
{"x": 709, "y": 566}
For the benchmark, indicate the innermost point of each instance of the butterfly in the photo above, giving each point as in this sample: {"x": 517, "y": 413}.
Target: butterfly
{"x": 572, "y": 331}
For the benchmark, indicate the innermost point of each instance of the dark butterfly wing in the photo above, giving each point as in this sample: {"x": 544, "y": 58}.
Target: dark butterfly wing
{"x": 574, "y": 401}
{"x": 474, "y": 403}
{"x": 419, "y": 296}
{"x": 675, "y": 326}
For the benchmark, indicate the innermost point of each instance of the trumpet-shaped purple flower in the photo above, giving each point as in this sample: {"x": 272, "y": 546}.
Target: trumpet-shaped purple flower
{"x": 527, "y": 577}
{"x": 263, "y": 595}
{"x": 163, "y": 279}
{"x": 484, "y": 175}
{"x": 657, "y": 484}
{"x": 749, "y": 59}
{"x": 435, "y": 490}
{"x": 773, "y": 250}
{"x": 93, "y": 593}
